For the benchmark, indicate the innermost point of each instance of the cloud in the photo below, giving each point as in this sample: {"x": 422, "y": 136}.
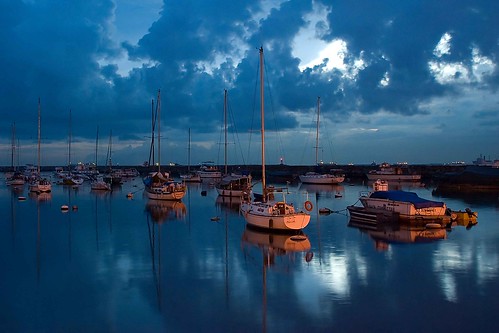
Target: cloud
{"x": 106, "y": 60}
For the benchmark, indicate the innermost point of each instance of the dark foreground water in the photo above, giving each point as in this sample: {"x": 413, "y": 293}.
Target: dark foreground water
{"x": 131, "y": 265}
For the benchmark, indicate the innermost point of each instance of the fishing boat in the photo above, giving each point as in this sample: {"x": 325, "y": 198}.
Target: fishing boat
{"x": 268, "y": 213}
{"x": 398, "y": 205}
{"x": 387, "y": 172}
{"x": 158, "y": 184}
{"x": 232, "y": 185}
{"x": 37, "y": 183}
{"x": 334, "y": 176}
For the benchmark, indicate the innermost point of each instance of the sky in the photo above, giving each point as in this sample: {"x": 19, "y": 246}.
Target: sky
{"x": 399, "y": 81}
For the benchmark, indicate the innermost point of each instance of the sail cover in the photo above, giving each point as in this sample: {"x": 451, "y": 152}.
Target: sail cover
{"x": 406, "y": 197}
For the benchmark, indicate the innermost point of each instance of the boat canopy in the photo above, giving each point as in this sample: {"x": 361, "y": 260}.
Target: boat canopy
{"x": 406, "y": 197}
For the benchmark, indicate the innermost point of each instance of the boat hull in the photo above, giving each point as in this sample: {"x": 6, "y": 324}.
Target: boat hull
{"x": 263, "y": 215}
{"x": 393, "y": 177}
{"x": 163, "y": 193}
{"x": 321, "y": 179}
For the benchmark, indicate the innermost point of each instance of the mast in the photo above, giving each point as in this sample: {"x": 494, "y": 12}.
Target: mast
{"x": 158, "y": 108}
{"x": 189, "y": 153}
{"x": 69, "y": 144}
{"x": 225, "y": 129}
{"x": 151, "y": 149}
{"x": 317, "y": 132}
{"x": 262, "y": 115}
{"x": 39, "y": 138}
{"x": 96, "y": 146}
{"x": 13, "y": 153}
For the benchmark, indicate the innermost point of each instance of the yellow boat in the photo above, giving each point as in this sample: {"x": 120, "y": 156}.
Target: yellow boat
{"x": 466, "y": 217}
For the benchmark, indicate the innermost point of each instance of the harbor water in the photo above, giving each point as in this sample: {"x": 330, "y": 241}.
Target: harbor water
{"x": 119, "y": 262}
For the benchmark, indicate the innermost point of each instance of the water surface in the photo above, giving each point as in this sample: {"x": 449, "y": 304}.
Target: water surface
{"x": 118, "y": 264}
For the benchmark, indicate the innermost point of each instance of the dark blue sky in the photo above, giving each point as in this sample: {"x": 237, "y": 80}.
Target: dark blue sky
{"x": 412, "y": 81}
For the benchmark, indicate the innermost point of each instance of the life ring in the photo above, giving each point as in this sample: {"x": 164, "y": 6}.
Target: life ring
{"x": 308, "y": 205}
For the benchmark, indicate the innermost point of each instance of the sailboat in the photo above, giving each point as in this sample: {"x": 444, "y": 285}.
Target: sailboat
{"x": 98, "y": 183}
{"x": 39, "y": 184}
{"x": 70, "y": 178}
{"x": 190, "y": 177}
{"x": 158, "y": 184}
{"x": 16, "y": 177}
{"x": 232, "y": 185}
{"x": 335, "y": 177}
{"x": 268, "y": 213}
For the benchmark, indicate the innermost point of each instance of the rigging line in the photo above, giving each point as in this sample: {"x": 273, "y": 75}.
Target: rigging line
{"x": 305, "y": 148}
{"x": 277, "y": 130}
{"x": 255, "y": 91}
{"x": 235, "y": 132}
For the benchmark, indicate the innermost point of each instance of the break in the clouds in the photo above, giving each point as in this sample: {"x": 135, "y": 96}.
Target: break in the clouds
{"x": 408, "y": 81}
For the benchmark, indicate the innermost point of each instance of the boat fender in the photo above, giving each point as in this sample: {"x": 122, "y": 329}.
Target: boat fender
{"x": 308, "y": 205}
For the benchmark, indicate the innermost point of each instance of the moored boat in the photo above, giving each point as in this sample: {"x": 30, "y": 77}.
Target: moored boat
{"x": 402, "y": 205}
{"x": 268, "y": 213}
{"x": 334, "y": 176}
{"x": 390, "y": 173}
{"x": 159, "y": 185}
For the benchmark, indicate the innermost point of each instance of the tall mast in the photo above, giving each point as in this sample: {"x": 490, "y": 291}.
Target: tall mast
{"x": 262, "y": 115}
{"x": 189, "y": 153}
{"x": 39, "y": 137}
{"x": 69, "y": 144}
{"x": 96, "y": 146}
{"x": 13, "y": 153}
{"x": 151, "y": 149}
{"x": 158, "y": 107}
{"x": 317, "y": 133}
{"x": 225, "y": 129}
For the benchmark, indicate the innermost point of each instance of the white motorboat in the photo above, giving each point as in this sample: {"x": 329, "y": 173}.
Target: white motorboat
{"x": 399, "y": 205}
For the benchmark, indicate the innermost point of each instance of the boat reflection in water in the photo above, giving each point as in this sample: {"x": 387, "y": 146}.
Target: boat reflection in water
{"x": 274, "y": 245}
{"x": 231, "y": 203}
{"x": 384, "y": 233}
{"x": 165, "y": 210}
{"x": 326, "y": 190}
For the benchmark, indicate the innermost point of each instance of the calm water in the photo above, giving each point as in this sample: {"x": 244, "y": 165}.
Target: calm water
{"x": 129, "y": 265}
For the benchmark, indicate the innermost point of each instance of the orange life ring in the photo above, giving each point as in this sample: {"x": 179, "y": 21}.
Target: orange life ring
{"x": 308, "y": 205}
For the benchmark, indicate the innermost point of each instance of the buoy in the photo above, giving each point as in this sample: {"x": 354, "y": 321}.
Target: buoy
{"x": 324, "y": 210}
{"x": 21, "y": 198}
{"x": 75, "y": 207}
{"x": 308, "y": 205}
{"x": 64, "y": 207}
{"x": 433, "y": 226}
{"x": 203, "y": 193}
{"x": 129, "y": 195}
{"x": 215, "y": 218}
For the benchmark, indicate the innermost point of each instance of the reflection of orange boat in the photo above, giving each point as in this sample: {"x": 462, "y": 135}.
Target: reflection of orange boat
{"x": 385, "y": 233}
{"x": 277, "y": 243}
{"x": 163, "y": 210}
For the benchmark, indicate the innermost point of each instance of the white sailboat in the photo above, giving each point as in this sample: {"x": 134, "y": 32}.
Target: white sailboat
{"x": 158, "y": 184}
{"x": 190, "y": 177}
{"x": 321, "y": 178}
{"x": 268, "y": 213}
{"x": 15, "y": 177}
{"x": 232, "y": 185}
{"x": 98, "y": 183}
{"x": 39, "y": 184}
